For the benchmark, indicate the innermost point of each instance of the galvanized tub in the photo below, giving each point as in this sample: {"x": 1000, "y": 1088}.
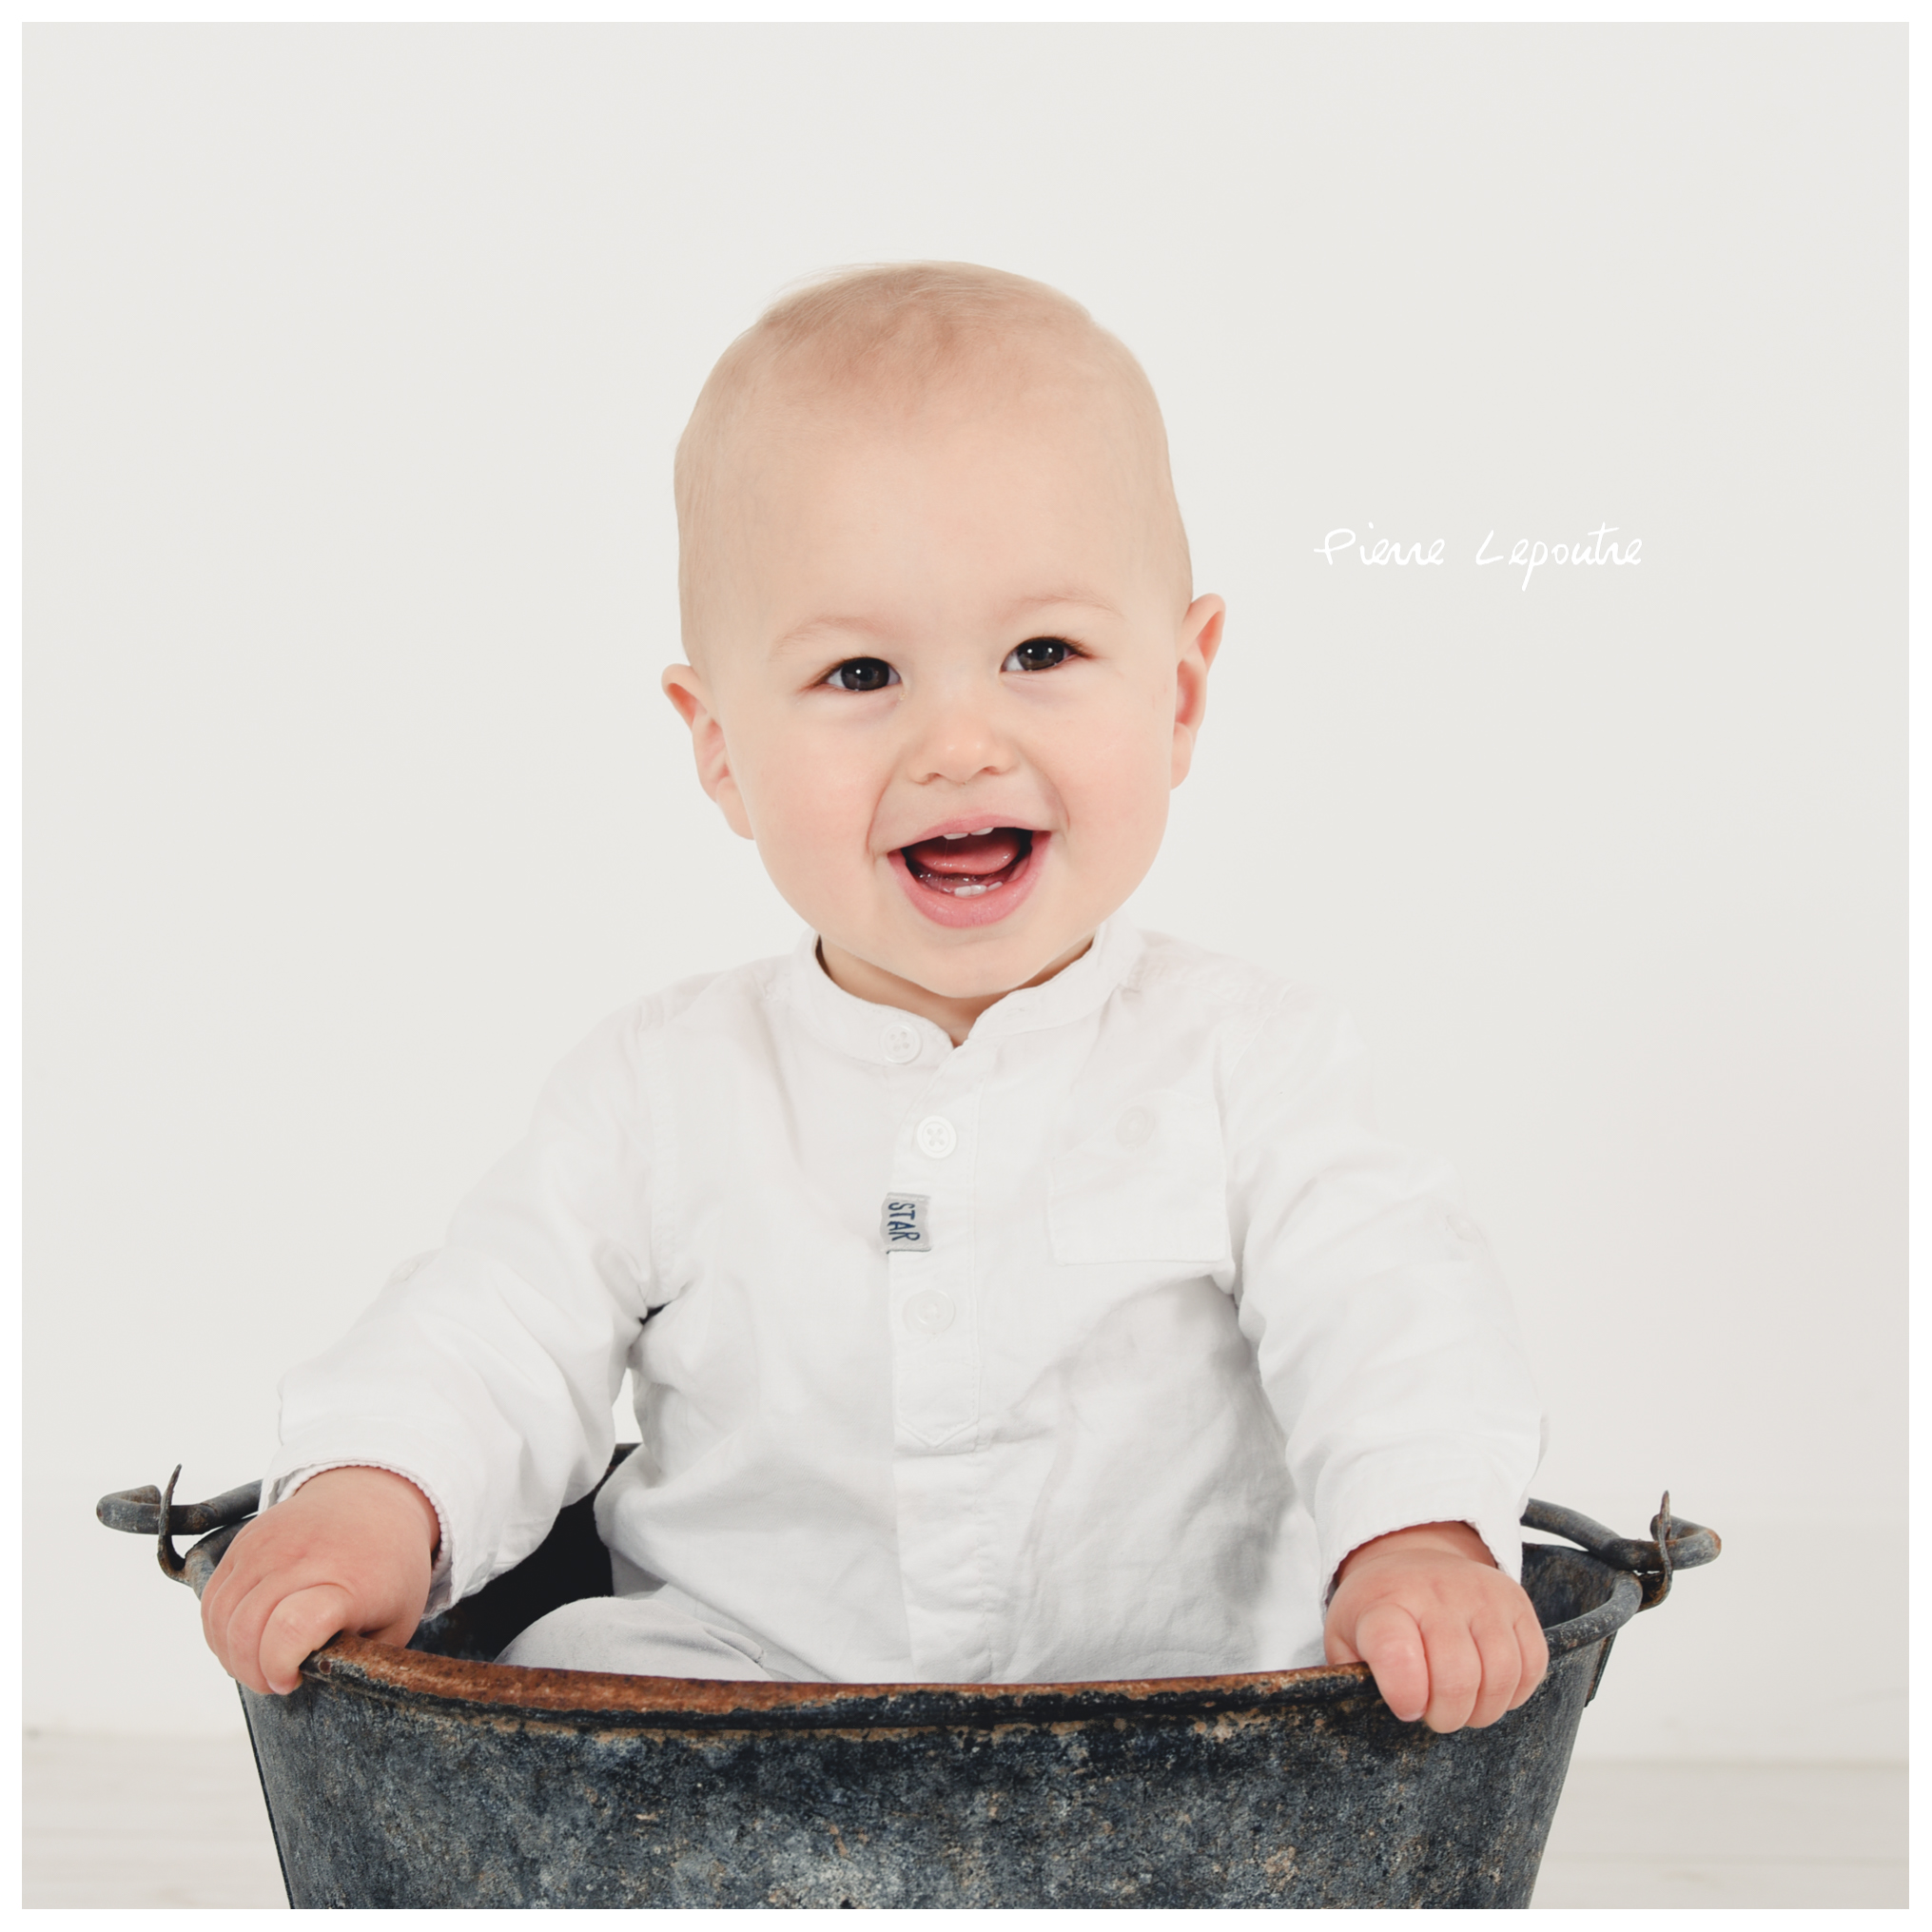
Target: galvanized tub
{"x": 431, "y": 1777}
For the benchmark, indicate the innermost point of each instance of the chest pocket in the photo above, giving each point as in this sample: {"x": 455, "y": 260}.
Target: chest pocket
{"x": 1149, "y": 1184}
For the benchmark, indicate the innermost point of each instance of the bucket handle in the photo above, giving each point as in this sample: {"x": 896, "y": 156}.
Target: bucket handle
{"x": 150, "y": 1511}
{"x": 1675, "y": 1544}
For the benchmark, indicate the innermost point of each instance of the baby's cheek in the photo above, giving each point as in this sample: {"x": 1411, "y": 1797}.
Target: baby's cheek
{"x": 1120, "y": 834}
{"x": 811, "y": 821}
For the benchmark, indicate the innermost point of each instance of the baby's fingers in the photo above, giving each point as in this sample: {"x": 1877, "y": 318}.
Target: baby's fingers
{"x": 233, "y": 1627}
{"x": 1456, "y": 1676}
{"x": 1534, "y": 1652}
{"x": 1500, "y": 1650}
{"x": 1391, "y": 1645}
{"x": 300, "y": 1623}
{"x": 233, "y": 1579}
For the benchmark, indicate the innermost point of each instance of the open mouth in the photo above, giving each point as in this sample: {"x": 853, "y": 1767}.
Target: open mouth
{"x": 969, "y": 876}
{"x": 965, "y": 865}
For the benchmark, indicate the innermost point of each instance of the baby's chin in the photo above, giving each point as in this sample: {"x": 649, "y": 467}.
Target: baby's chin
{"x": 983, "y": 965}
{"x": 895, "y": 936}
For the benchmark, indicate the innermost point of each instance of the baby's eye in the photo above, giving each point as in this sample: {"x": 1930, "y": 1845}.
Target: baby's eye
{"x": 1038, "y": 653}
{"x": 863, "y": 674}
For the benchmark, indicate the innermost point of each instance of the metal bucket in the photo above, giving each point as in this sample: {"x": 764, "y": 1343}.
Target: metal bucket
{"x": 431, "y": 1777}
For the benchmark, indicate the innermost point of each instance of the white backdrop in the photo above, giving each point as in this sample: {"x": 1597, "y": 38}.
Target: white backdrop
{"x": 355, "y": 359}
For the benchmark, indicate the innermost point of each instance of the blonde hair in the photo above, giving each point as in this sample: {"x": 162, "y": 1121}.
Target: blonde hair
{"x": 897, "y": 329}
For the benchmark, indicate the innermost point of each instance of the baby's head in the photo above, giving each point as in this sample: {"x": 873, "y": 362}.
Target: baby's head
{"x": 946, "y": 661}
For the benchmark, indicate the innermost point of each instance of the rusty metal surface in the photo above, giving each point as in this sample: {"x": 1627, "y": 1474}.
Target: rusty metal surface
{"x": 392, "y": 1798}
{"x": 431, "y": 1777}
{"x": 137, "y": 1512}
{"x": 505, "y": 1690}
{"x": 1675, "y": 1544}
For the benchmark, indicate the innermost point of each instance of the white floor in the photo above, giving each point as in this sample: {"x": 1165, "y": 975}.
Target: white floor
{"x": 144, "y": 1821}
{"x": 1678, "y": 1834}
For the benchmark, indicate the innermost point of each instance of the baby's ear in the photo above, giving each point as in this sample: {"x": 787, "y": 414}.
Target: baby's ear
{"x": 1201, "y": 629}
{"x": 691, "y": 700}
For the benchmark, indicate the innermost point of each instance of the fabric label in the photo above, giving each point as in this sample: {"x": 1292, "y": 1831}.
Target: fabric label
{"x": 906, "y": 1223}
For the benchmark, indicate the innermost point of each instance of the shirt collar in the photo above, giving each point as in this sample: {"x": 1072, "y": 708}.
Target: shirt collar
{"x": 885, "y": 1033}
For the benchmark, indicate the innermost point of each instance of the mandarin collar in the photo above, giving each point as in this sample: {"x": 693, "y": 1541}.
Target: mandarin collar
{"x": 892, "y": 1036}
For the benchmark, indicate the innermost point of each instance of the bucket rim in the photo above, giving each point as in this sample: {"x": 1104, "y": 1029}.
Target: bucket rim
{"x": 388, "y": 1672}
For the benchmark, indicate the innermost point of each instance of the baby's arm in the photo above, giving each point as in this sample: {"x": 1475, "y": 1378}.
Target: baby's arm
{"x": 1389, "y": 1354}
{"x": 351, "y": 1549}
{"x": 1450, "y": 1638}
{"x": 487, "y": 1372}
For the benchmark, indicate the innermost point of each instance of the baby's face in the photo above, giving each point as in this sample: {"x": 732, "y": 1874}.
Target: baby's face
{"x": 950, "y": 682}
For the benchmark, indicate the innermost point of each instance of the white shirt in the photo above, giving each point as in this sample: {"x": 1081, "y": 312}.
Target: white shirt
{"x": 1182, "y": 1332}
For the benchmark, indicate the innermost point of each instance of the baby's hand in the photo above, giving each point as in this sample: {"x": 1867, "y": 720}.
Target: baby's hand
{"x": 1449, "y": 1637}
{"x": 351, "y": 1549}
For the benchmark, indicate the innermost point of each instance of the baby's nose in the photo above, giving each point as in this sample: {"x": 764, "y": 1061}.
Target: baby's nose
{"x": 959, "y": 740}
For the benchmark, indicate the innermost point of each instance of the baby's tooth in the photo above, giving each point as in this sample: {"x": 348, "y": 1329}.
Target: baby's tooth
{"x": 952, "y": 834}
{"x": 983, "y": 832}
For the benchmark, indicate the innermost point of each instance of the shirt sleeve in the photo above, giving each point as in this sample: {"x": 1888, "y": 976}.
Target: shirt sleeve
{"x": 1386, "y": 1342}
{"x": 487, "y": 1376}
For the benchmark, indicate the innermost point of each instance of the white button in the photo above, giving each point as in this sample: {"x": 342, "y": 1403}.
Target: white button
{"x": 929, "y": 1311}
{"x": 902, "y": 1043}
{"x": 935, "y": 1137}
{"x": 1464, "y": 1230}
{"x": 1134, "y": 1127}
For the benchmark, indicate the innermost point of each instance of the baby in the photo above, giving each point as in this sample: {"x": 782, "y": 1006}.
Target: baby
{"x": 1012, "y": 1296}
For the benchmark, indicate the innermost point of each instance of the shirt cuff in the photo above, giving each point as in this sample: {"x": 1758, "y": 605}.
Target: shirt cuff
{"x": 278, "y": 1489}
